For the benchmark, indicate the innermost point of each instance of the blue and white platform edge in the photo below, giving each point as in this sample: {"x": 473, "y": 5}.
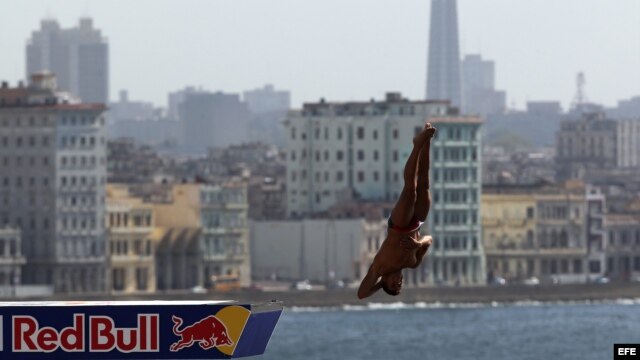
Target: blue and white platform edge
{"x": 136, "y": 329}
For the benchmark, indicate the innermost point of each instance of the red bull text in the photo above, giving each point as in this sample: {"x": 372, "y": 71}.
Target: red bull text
{"x": 29, "y": 336}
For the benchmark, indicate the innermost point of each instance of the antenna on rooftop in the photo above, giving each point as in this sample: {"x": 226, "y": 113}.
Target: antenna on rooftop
{"x": 581, "y": 96}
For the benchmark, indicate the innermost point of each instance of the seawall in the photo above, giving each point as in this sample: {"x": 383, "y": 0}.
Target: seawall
{"x": 337, "y": 297}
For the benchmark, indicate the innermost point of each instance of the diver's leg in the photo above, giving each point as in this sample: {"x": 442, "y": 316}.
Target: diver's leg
{"x": 423, "y": 201}
{"x": 402, "y": 213}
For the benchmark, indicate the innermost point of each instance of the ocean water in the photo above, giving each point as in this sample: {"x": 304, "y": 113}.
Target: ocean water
{"x": 526, "y": 330}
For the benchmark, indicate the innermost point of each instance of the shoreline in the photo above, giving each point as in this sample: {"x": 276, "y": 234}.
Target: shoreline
{"x": 430, "y": 295}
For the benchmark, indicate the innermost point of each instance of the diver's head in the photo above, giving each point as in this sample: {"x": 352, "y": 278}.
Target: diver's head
{"x": 392, "y": 283}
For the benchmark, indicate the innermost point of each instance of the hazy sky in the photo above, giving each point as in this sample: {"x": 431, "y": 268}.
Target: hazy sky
{"x": 343, "y": 49}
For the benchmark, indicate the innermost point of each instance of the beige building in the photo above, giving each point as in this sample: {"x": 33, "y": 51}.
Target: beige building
{"x": 179, "y": 254}
{"x": 175, "y": 237}
{"x": 508, "y": 233}
{"x": 535, "y": 231}
{"x": 131, "y": 242}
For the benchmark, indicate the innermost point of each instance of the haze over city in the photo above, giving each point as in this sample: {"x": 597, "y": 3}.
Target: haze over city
{"x": 472, "y": 163}
{"x": 344, "y": 50}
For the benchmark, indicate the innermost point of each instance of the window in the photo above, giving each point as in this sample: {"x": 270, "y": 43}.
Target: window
{"x": 339, "y": 135}
{"x": 293, "y": 133}
{"x": 360, "y": 176}
{"x": 326, "y": 155}
{"x": 360, "y": 133}
{"x": 141, "y": 279}
{"x": 375, "y": 134}
{"x": 395, "y": 155}
{"x": 339, "y": 176}
{"x": 360, "y": 155}
{"x": 577, "y": 266}
{"x": 118, "y": 279}
{"x": 339, "y": 155}
{"x": 375, "y": 155}
{"x": 376, "y": 176}
{"x": 530, "y": 212}
{"x": 395, "y": 133}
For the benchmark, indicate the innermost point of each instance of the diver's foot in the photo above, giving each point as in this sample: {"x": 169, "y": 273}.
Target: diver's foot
{"x": 425, "y": 135}
{"x": 430, "y": 130}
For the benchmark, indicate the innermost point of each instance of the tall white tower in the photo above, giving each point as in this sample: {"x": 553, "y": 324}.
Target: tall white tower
{"x": 443, "y": 70}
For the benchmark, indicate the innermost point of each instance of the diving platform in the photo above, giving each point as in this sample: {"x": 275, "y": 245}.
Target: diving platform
{"x": 135, "y": 329}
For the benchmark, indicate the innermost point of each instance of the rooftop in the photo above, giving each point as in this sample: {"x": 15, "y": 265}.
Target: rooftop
{"x": 42, "y": 93}
{"x": 393, "y": 103}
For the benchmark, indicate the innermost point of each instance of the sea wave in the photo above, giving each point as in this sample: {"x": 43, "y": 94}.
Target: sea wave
{"x": 457, "y": 305}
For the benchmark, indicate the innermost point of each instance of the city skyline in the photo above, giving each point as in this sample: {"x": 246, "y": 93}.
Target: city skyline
{"x": 231, "y": 55}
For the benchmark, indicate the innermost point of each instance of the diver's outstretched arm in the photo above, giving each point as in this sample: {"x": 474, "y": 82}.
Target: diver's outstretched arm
{"x": 369, "y": 284}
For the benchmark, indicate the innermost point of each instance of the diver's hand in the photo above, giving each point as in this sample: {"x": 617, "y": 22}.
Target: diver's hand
{"x": 409, "y": 243}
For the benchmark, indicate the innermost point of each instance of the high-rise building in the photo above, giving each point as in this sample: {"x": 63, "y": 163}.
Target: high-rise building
{"x": 357, "y": 151}
{"x": 174, "y": 99}
{"x": 52, "y": 180}
{"x": 267, "y": 99}
{"x": 79, "y": 57}
{"x": 478, "y": 84}
{"x": 268, "y": 108}
{"x": 213, "y": 120}
{"x": 443, "y": 71}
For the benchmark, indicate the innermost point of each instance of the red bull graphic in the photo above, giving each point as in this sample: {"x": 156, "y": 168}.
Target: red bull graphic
{"x": 209, "y": 332}
{"x": 133, "y": 330}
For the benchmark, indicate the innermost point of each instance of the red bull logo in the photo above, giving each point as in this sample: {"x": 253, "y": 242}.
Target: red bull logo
{"x": 209, "y": 332}
{"x": 103, "y": 335}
